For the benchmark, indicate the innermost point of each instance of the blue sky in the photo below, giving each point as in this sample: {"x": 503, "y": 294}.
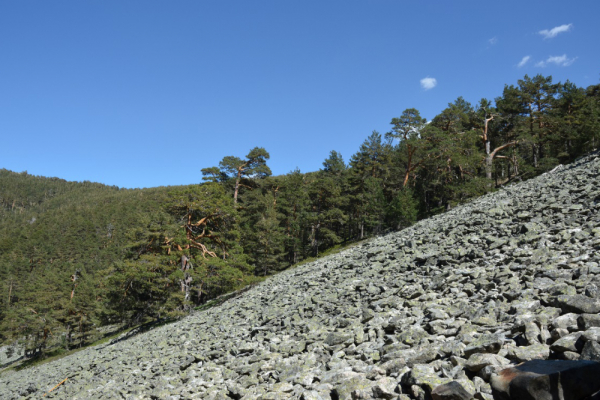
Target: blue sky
{"x": 147, "y": 93}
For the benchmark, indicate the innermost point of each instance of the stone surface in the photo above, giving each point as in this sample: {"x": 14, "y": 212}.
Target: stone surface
{"x": 451, "y": 391}
{"x": 579, "y": 304}
{"x": 586, "y": 321}
{"x": 10, "y": 353}
{"x": 591, "y": 351}
{"x": 479, "y": 361}
{"x": 527, "y": 353}
{"x": 573, "y": 342}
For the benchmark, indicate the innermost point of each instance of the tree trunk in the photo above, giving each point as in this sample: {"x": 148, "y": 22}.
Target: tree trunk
{"x": 187, "y": 279}
{"x": 68, "y": 337}
{"x": 488, "y": 166}
{"x": 315, "y": 242}
{"x": 235, "y": 192}
{"x": 74, "y": 278}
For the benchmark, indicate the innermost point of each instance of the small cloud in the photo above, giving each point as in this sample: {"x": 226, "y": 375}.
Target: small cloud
{"x": 524, "y": 61}
{"x": 549, "y": 34}
{"x": 493, "y": 40}
{"x": 428, "y": 83}
{"x": 561, "y": 61}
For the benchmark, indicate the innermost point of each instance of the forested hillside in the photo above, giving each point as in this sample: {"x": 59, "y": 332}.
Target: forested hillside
{"x": 74, "y": 256}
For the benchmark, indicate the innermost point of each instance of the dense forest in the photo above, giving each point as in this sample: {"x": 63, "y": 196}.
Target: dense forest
{"x": 78, "y": 255}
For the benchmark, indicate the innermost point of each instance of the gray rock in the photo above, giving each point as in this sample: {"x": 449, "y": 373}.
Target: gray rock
{"x": 567, "y": 321}
{"x": 487, "y": 343}
{"x": 451, "y": 391}
{"x": 592, "y": 334}
{"x": 587, "y": 321}
{"x": 425, "y": 377}
{"x": 527, "y": 353}
{"x": 478, "y": 361}
{"x": 385, "y": 388}
{"x": 578, "y": 304}
{"x": 591, "y": 351}
{"x": 336, "y": 338}
{"x": 573, "y": 342}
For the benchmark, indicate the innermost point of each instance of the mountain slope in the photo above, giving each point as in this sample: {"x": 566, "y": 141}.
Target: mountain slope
{"x": 512, "y": 276}
{"x": 51, "y": 229}
{"x": 75, "y": 255}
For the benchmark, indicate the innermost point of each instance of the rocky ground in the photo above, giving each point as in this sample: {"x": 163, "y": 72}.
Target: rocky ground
{"x": 511, "y": 277}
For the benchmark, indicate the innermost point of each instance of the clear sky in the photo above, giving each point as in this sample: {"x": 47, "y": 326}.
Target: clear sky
{"x": 147, "y": 93}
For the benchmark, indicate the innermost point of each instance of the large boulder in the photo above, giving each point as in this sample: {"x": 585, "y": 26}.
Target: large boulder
{"x": 451, "y": 391}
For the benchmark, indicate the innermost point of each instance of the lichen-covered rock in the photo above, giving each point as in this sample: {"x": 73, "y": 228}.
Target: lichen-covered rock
{"x": 479, "y": 361}
{"x": 484, "y": 344}
{"x": 451, "y": 391}
{"x": 424, "y": 376}
{"x": 527, "y": 353}
{"x": 591, "y": 351}
{"x": 573, "y": 342}
{"x": 587, "y": 321}
{"x": 578, "y": 304}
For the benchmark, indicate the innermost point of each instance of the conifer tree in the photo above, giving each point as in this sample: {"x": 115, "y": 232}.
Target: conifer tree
{"x": 263, "y": 236}
{"x": 367, "y": 178}
{"x": 406, "y": 129}
{"x": 294, "y": 206}
{"x": 236, "y": 169}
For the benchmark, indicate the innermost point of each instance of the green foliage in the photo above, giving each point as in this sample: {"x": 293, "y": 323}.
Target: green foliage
{"x": 334, "y": 164}
{"x": 186, "y": 253}
{"x": 234, "y": 171}
{"x": 403, "y": 209}
{"x": 263, "y": 233}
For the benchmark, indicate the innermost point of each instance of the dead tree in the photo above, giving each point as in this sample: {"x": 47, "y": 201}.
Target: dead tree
{"x": 490, "y": 154}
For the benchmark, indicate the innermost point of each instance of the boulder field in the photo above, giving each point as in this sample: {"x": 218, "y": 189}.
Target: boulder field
{"x": 495, "y": 299}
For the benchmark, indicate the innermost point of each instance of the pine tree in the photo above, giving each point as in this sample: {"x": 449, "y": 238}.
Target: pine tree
{"x": 294, "y": 205}
{"x": 236, "y": 169}
{"x": 264, "y": 238}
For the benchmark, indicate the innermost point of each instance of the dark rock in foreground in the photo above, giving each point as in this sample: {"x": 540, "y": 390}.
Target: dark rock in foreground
{"x": 541, "y": 380}
{"x": 511, "y": 277}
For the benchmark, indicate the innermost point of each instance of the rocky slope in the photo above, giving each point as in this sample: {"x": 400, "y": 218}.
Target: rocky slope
{"x": 510, "y": 277}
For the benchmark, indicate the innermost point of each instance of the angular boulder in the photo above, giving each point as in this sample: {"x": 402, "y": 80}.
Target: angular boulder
{"x": 451, "y": 391}
{"x": 578, "y": 304}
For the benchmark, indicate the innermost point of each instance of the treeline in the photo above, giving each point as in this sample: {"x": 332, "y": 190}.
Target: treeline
{"x": 417, "y": 169}
{"x": 74, "y": 256}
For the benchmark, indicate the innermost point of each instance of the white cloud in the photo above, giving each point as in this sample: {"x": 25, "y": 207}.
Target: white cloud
{"x": 428, "y": 83}
{"x": 549, "y": 34}
{"x": 524, "y": 61}
{"x": 561, "y": 61}
{"x": 493, "y": 40}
